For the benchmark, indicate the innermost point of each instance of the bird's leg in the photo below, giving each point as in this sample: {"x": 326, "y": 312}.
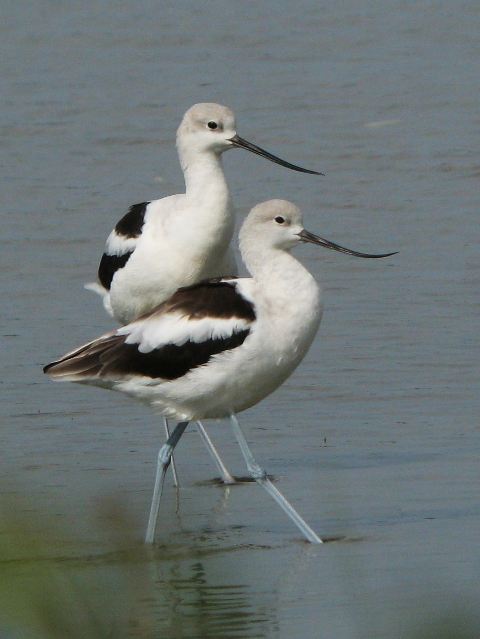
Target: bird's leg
{"x": 172, "y": 460}
{"x": 261, "y": 478}
{"x": 225, "y": 475}
{"x": 164, "y": 456}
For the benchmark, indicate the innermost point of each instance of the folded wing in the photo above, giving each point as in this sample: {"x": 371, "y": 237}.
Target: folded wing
{"x": 121, "y": 243}
{"x": 184, "y": 332}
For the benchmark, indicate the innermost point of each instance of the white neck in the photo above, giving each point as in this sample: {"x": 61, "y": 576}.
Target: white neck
{"x": 204, "y": 224}
{"x": 284, "y": 282}
{"x": 204, "y": 177}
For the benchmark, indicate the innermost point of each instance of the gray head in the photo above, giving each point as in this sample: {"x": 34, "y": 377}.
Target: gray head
{"x": 209, "y": 127}
{"x": 278, "y": 224}
{"x": 275, "y": 223}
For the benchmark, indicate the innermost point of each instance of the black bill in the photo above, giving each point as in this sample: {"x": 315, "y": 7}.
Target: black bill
{"x": 305, "y": 236}
{"x": 244, "y": 144}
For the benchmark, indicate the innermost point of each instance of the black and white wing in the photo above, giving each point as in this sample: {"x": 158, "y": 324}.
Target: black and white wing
{"x": 121, "y": 243}
{"x": 119, "y": 247}
{"x": 184, "y": 332}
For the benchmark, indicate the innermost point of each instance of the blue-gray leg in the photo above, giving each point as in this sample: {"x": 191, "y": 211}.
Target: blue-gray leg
{"x": 260, "y": 476}
{"x": 163, "y": 462}
{"x": 225, "y": 475}
{"x": 174, "y": 468}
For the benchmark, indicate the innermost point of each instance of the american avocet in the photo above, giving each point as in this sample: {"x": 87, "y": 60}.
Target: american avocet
{"x": 218, "y": 347}
{"x": 159, "y": 246}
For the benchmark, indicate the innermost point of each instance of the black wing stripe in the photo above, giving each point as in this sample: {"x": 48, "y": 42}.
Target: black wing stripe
{"x": 109, "y": 265}
{"x": 117, "y": 359}
{"x": 168, "y": 362}
{"x": 131, "y": 224}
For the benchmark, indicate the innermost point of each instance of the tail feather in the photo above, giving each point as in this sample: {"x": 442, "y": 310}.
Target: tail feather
{"x": 97, "y": 288}
{"x": 85, "y": 361}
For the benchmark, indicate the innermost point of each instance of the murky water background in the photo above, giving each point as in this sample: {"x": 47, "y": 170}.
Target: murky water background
{"x": 376, "y": 437}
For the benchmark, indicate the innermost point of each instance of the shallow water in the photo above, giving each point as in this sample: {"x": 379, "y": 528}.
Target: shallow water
{"x": 376, "y": 437}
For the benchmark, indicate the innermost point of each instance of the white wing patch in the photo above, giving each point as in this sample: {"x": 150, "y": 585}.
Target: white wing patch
{"x": 119, "y": 244}
{"x": 245, "y": 286}
{"x": 175, "y": 328}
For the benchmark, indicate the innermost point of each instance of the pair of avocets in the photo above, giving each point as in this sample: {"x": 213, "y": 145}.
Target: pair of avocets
{"x": 198, "y": 342}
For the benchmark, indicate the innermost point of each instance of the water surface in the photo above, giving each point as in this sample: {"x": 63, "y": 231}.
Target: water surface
{"x": 375, "y": 438}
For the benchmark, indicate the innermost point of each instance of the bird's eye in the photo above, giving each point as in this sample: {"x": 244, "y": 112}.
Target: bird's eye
{"x": 279, "y": 219}
{"x": 212, "y": 125}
